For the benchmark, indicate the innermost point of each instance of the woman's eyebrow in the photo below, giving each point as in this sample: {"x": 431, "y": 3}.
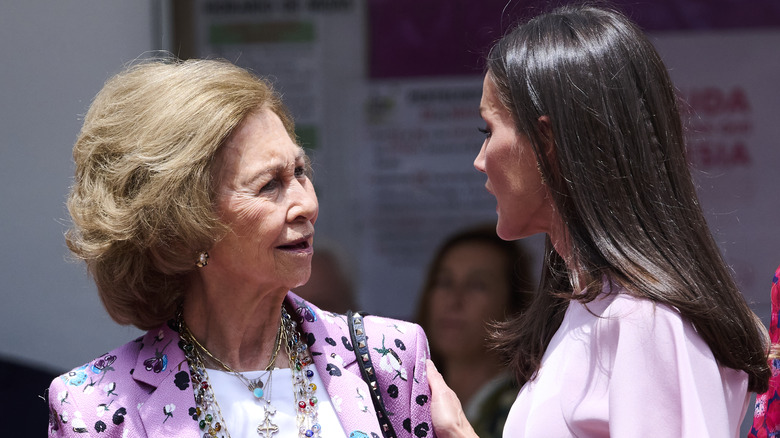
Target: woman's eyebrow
{"x": 276, "y": 169}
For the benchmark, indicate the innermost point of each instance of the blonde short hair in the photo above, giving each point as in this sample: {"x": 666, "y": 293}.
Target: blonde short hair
{"x": 142, "y": 203}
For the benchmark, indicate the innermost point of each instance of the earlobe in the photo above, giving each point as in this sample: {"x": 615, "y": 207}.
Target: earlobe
{"x": 547, "y": 148}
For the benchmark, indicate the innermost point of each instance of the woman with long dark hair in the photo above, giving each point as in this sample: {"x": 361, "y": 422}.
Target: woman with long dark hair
{"x": 638, "y": 327}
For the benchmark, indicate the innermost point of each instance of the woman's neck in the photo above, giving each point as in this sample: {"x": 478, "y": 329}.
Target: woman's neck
{"x": 237, "y": 327}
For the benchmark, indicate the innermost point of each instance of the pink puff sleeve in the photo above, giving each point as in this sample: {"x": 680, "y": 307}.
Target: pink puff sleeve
{"x": 626, "y": 367}
{"x": 665, "y": 381}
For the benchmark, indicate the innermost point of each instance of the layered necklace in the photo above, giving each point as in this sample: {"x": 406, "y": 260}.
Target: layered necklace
{"x": 210, "y": 419}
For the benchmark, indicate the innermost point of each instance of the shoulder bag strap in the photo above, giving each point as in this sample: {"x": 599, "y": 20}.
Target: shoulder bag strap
{"x": 357, "y": 333}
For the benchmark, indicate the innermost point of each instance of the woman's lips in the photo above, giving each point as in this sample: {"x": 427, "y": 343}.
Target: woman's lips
{"x": 301, "y": 245}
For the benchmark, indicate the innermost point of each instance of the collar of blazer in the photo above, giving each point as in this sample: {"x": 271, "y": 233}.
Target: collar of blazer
{"x": 162, "y": 366}
{"x": 327, "y": 336}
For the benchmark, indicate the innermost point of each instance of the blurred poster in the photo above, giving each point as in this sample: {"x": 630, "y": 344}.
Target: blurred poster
{"x": 419, "y": 181}
{"x": 437, "y": 38}
{"x": 281, "y": 39}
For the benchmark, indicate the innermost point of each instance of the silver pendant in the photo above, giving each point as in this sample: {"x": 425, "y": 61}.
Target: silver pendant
{"x": 267, "y": 428}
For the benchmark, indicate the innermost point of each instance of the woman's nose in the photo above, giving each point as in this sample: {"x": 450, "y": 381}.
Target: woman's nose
{"x": 304, "y": 202}
{"x": 479, "y": 162}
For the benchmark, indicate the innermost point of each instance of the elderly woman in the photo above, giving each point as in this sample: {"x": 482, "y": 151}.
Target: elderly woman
{"x": 193, "y": 209}
{"x": 638, "y": 328}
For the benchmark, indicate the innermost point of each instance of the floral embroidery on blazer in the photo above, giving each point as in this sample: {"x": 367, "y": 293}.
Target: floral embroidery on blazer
{"x": 143, "y": 388}
{"x": 766, "y": 417}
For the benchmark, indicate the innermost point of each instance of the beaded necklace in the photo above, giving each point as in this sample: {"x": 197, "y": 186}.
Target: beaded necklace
{"x": 210, "y": 419}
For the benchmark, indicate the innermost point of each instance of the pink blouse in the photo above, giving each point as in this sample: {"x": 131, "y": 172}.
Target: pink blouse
{"x": 625, "y": 367}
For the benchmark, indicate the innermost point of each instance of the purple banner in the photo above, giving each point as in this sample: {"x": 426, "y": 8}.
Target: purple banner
{"x": 413, "y": 38}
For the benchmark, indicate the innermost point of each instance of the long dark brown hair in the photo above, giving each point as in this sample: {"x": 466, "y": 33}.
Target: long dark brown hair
{"x": 619, "y": 179}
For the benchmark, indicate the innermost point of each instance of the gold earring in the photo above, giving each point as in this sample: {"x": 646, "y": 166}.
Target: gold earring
{"x": 203, "y": 259}
{"x": 541, "y": 174}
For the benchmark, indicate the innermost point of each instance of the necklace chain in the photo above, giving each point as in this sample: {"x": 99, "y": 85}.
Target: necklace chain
{"x": 208, "y": 412}
{"x": 255, "y": 386}
{"x": 226, "y": 367}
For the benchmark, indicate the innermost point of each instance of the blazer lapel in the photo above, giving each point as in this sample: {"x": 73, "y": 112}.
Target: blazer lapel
{"x": 334, "y": 358}
{"x": 169, "y": 409}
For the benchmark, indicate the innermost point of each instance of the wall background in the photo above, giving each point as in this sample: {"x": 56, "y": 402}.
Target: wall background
{"x": 56, "y": 56}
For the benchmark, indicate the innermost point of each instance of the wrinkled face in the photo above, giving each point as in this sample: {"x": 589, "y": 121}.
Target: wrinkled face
{"x": 471, "y": 288}
{"x": 264, "y": 194}
{"x": 507, "y": 158}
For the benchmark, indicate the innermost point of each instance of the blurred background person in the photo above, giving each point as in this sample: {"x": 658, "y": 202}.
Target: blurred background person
{"x": 474, "y": 279}
{"x": 330, "y": 286}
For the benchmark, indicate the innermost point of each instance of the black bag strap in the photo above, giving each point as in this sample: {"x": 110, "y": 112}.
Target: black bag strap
{"x": 357, "y": 333}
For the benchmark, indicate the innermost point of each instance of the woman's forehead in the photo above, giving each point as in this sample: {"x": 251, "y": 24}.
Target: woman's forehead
{"x": 260, "y": 144}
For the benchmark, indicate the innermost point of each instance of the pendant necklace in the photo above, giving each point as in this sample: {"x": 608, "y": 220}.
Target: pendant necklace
{"x": 255, "y": 386}
{"x": 211, "y": 421}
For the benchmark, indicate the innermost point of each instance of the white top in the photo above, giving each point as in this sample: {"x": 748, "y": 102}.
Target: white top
{"x": 242, "y": 412}
{"x": 629, "y": 369}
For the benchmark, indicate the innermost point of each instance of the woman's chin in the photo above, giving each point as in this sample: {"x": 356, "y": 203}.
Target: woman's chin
{"x": 506, "y": 231}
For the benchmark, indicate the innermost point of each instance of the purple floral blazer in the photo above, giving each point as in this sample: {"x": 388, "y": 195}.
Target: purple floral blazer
{"x": 143, "y": 388}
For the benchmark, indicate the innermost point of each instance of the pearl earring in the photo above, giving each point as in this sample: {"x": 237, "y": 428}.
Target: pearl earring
{"x": 203, "y": 259}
